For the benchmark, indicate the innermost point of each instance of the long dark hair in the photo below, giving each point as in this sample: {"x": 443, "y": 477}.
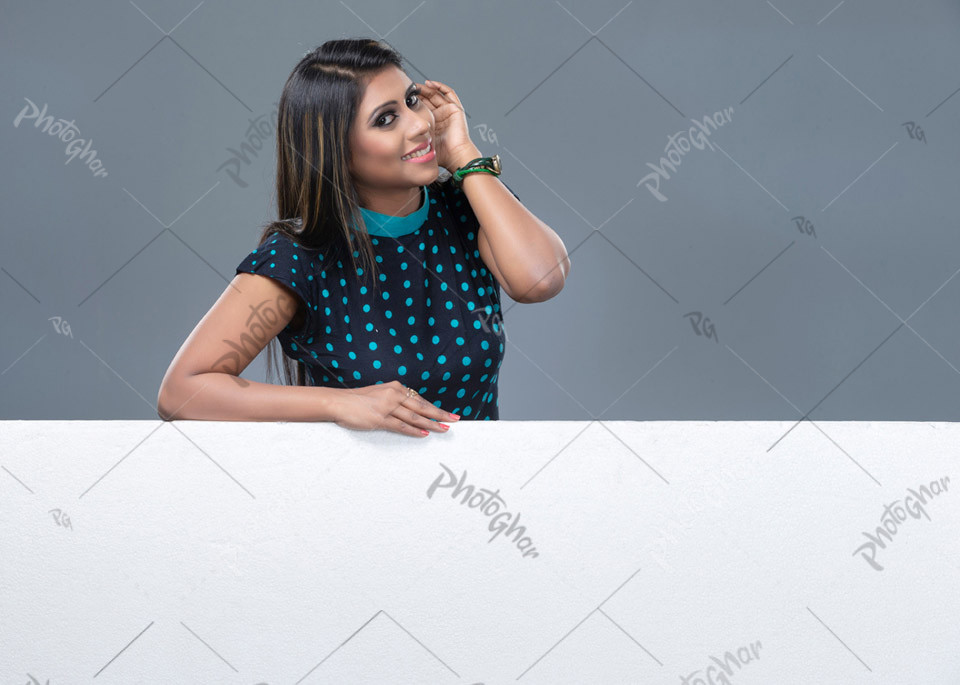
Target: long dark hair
{"x": 316, "y": 198}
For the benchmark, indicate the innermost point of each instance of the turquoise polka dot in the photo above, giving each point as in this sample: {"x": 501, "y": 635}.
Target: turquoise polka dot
{"x": 343, "y": 342}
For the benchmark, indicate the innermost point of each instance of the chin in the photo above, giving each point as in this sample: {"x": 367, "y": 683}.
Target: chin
{"x": 429, "y": 170}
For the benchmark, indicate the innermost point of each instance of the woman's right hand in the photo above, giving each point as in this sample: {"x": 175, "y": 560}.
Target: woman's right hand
{"x": 386, "y": 406}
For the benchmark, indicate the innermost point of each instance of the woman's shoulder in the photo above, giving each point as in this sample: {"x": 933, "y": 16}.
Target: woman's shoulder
{"x": 288, "y": 245}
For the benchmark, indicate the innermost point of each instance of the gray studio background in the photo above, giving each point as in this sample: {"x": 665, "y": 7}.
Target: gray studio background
{"x": 804, "y": 264}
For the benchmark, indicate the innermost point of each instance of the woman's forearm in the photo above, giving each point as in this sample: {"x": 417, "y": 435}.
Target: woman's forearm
{"x": 529, "y": 255}
{"x": 218, "y": 396}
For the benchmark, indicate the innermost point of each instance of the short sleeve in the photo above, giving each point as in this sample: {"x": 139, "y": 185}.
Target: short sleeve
{"x": 293, "y": 265}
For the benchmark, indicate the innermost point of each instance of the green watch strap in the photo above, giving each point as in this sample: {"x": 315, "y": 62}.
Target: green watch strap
{"x": 489, "y": 165}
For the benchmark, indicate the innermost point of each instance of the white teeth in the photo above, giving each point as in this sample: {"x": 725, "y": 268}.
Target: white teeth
{"x": 421, "y": 153}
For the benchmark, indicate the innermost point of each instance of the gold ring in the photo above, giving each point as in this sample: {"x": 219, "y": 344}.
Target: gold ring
{"x": 411, "y": 392}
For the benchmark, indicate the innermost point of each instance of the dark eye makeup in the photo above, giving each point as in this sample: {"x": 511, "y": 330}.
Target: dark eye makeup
{"x": 413, "y": 93}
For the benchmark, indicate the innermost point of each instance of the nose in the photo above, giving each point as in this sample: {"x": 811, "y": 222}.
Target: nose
{"x": 422, "y": 126}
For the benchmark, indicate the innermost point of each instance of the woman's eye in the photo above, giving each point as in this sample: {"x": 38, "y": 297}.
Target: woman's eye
{"x": 415, "y": 94}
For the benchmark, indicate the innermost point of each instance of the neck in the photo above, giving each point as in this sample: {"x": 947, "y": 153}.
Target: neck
{"x": 392, "y": 202}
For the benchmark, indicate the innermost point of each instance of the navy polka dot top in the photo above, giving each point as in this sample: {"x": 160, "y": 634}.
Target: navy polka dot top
{"x": 434, "y": 324}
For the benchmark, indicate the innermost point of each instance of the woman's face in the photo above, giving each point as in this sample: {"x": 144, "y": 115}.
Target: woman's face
{"x": 391, "y": 121}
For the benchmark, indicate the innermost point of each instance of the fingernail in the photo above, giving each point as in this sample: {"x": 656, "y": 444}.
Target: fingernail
{"x": 454, "y": 417}
{"x": 423, "y": 432}
{"x": 444, "y": 426}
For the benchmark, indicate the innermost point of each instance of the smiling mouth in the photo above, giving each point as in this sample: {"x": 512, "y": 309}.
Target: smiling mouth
{"x": 420, "y": 153}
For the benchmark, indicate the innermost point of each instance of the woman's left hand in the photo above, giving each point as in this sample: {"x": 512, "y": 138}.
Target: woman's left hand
{"x": 451, "y": 136}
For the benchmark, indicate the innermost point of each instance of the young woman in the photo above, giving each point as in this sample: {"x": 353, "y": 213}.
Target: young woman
{"x": 411, "y": 334}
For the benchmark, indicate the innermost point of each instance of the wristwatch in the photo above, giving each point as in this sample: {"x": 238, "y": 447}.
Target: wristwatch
{"x": 489, "y": 165}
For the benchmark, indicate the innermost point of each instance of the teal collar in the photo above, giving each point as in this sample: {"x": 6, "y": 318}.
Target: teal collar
{"x": 394, "y": 226}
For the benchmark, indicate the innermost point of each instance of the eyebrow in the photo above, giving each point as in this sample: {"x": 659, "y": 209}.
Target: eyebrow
{"x": 410, "y": 88}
